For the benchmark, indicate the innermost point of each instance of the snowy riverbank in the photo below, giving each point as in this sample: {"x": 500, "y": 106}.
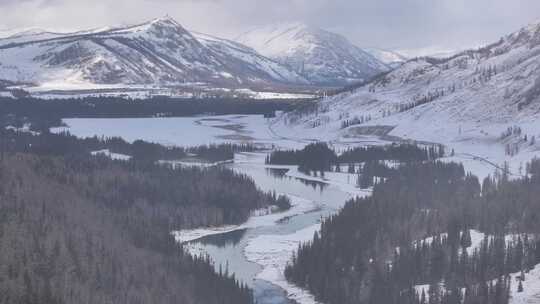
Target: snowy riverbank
{"x": 299, "y": 206}
{"x": 273, "y": 252}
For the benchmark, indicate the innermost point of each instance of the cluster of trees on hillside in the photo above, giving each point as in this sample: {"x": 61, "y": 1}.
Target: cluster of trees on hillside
{"x": 515, "y": 140}
{"x": 533, "y": 168}
{"x": 398, "y": 152}
{"x": 485, "y": 74}
{"x": 304, "y": 110}
{"x": 371, "y": 171}
{"x": 353, "y": 259}
{"x": 220, "y": 152}
{"x": 496, "y": 292}
{"x": 79, "y": 229}
{"x": 446, "y": 259}
{"x": 423, "y": 99}
{"x": 355, "y": 121}
{"x": 318, "y": 157}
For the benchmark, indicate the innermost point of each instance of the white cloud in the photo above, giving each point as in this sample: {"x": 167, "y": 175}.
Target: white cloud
{"x": 404, "y": 24}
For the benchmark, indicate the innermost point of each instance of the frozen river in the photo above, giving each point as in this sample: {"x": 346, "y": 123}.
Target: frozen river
{"x": 181, "y": 131}
{"x": 257, "y": 255}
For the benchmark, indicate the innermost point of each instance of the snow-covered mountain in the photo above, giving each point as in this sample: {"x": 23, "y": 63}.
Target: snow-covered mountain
{"x": 244, "y": 58}
{"x": 468, "y": 102}
{"x": 157, "y": 53}
{"x": 390, "y": 58}
{"x": 324, "y": 58}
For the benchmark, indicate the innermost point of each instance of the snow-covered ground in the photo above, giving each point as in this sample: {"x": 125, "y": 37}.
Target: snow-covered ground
{"x": 299, "y": 206}
{"x": 182, "y": 131}
{"x": 274, "y": 95}
{"x": 477, "y": 238}
{"x": 273, "y": 252}
{"x": 188, "y": 164}
{"x": 531, "y": 285}
{"x": 111, "y": 155}
{"x": 531, "y": 288}
{"x": 24, "y": 129}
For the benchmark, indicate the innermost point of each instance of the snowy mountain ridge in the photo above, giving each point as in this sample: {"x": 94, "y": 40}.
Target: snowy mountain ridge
{"x": 323, "y": 57}
{"x": 467, "y": 102}
{"x": 157, "y": 53}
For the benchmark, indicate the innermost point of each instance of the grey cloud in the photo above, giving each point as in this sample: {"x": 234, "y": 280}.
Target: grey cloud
{"x": 383, "y": 23}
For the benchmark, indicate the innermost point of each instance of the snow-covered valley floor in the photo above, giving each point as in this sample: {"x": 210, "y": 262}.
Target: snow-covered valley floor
{"x": 269, "y": 250}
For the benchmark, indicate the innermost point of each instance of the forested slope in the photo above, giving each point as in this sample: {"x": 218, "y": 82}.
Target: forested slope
{"x": 370, "y": 253}
{"x": 91, "y": 230}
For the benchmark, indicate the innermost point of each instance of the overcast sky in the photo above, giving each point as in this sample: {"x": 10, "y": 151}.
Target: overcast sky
{"x": 390, "y": 24}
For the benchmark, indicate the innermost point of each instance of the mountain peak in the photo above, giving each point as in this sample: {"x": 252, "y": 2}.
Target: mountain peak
{"x": 166, "y": 20}
{"x": 314, "y": 53}
{"x": 164, "y": 24}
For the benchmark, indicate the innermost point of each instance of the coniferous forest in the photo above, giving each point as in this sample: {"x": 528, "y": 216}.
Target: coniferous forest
{"x": 46, "y": 143}
{"x": 94, "y": 231}
{"x": 370, "y": 252}
{"x": 319, "y": 157}
{"x": 103, "y": 107}
{"x": 77, "y": 228}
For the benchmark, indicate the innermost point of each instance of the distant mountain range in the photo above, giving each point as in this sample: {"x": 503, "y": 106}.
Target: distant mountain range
{"x": 157, "y": 53}
{"x": 162, "y": 54}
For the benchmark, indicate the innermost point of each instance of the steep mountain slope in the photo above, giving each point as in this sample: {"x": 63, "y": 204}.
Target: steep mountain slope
{"x": 324, "y": 58}
{"x": 245, "y": 59}
{"x": 467, "y": 102}
{"x": 157, "y": 53}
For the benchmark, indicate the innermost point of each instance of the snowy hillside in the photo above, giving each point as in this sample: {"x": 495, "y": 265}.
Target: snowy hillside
{"x": 467, "y": 102}
{"x": 324, "y": 58}
{"x": 157, "y": 53}
{"x": 245, "y": 58}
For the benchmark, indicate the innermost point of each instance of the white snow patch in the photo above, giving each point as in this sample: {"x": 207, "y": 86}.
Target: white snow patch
{"x": 273, "y": 252}
{"x": 299, "y": 206}
{"x": 111, "y": 155}
{"x": 181, "y": 131}
{"x": 531, "y": 287}
{"x": 191, "y": 164}
{"x": 24, "y": 129}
